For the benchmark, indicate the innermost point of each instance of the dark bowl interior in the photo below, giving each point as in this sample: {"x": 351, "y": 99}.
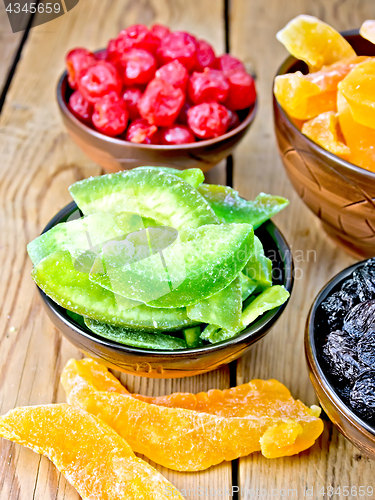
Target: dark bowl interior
{"x": 358, "y": 431}
{"x": 186, "y": 362}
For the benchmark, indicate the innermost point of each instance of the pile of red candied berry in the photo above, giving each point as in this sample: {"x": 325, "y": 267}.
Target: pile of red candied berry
{"x": 156, "y": 86}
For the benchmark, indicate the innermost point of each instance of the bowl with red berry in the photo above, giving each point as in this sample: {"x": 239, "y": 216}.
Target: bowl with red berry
{"x": 156, "y": 97}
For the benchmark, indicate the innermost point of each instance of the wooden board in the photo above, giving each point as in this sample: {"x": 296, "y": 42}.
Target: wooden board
{"x": 9, "y": 43}
{"x": 38, "y": 163}
{"x": 333, "y": 461}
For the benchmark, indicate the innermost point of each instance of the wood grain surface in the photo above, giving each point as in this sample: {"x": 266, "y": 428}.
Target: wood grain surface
{"x": 39, "y": 162}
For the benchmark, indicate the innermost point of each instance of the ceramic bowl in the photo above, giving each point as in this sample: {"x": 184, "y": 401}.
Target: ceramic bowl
{"x": 115, "y": 154}
{"x": 186, "y": 362}
{"x": 360, "y": 433}
{"x": 339, "y": 193}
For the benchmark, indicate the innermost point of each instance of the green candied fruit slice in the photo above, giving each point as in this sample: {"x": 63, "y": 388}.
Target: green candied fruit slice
{"x": 73, "y": 290}
{"x": 193, "y": 176}
{"x": 76, "y": 317}
{"x": 259, "y": 268}
{"x": 136, "y": 339}
{"x": 193, "y": 336}
{"x": 209, "y": 331}
{"x": 223, "y": 309}
{"x": 198, "y": 264}
{"x": 230, "y": 207}
{"x": 248, "y": 286}
{"x": 78, "y": 237}
{"x": 269, "y": 299}
{"x": 157, "y": 195}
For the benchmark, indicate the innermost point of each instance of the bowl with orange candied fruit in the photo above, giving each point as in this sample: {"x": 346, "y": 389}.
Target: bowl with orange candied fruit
{"x": 324, "y": 113}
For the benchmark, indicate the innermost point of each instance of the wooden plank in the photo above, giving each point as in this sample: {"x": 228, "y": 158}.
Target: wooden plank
{"x": 333, "y": 461}
{"x": 39, "y": 162}
{"x": 9, "y": 43}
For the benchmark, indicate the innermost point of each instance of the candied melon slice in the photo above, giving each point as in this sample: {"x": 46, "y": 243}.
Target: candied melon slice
{"x": 188, "y": 440}
{"x": 313, "y": 41}
{"x": 367, "y": 30}
{"x": 92, "y": 456}
{"x": 358, "y": 88}
{"x": 360, "y": 139}
{"x": 324, "y": 130}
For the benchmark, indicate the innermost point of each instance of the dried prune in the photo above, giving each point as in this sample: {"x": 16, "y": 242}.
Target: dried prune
{"x": 365, "y": 277}
{"x": 362, "y": 396}
{"x": 366, "y": 349}
{"x": 361, "y": 319}
{"x": 339, "y": 352}
{"x": 335, "y": 308}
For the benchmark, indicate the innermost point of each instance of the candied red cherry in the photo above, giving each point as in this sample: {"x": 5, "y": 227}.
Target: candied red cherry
{"x": 210, "y": 85}
{"x": 131, "y": 97}
{"x": 110, "y": 115}
{"x": 205, "y": 56}
{"x": 234, "y": 120}
{"x": 182, "y": 117}
{"x": 242, "y": 93}
{"x": 160, "y": 30}
{"x": 98, "y": 80}
{"x": 78, "y": 60}
{"x": 209, "y": 119}
{"x": 174, "y": 73}
{"x": 176, "y": 134}
{"x": 227, "y": 63}
{"x": 101, "y": 55}
{"x": 137, "y": 66}
{"x": 141, "y": 132}
{"x": 80, "y": 108}
{"x": 137, "y": 36}
{"x": 178, "y": 45}
{"x": 161, "y": 103}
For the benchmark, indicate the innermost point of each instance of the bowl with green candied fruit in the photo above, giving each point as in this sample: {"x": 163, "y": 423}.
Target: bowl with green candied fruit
{"x": 156, "y": 273}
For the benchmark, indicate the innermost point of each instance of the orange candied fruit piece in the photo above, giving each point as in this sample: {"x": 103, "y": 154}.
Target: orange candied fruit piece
{"x": 324, "y": 130}
{"x": 301, "y": 98}
{"x": 358, "y": 88}
{"x": 313, "y": 41}
{"x": 93, "y": 457}
{"x": 367, "y": 30}
{"x": 305, "y": 96}
{"x": 217, "y": 426}
{"x": 360, "y": 139}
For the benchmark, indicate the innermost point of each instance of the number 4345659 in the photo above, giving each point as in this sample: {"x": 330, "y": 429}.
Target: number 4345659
{"x": 32, "y": 8}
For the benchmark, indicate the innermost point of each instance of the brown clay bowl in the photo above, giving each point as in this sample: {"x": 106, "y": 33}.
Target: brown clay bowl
{"x": 359, "y": 432}
{"x": 339, "y": 193}
{"x": 185, "y": 362}
{"x": 115, "y": 154}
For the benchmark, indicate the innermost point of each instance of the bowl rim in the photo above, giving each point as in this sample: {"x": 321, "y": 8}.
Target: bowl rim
{"x": 256, "y": 331}
{"x": 158, "y": 147}
{"x": 284, "y": 69}
{"x": 311, "y": 351}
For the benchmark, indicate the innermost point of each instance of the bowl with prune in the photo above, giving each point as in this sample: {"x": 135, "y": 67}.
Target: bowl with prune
{"x": 319, "y": 110}
{"x": 156, "y": 97}
{"x": 340, "y": 351}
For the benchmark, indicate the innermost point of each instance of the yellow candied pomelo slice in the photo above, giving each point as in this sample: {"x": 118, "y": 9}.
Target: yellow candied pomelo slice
{"x": 301, "y": 98}
{"x": 367, "y": 30}
{"x": 324, "y": 130}
{"x": 187, "y": 440}
{"x": 92, "y": 456}
{"x": 358, "y": 88}
{"x": 313, "y": 41}
{"x": 360, "y": 139}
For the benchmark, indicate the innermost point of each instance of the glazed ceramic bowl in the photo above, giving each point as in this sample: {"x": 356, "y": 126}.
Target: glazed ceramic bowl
{"x": 339, "y": 193}
{"x": 186, "y": 362}
{"x": 115, "y": 154}
{"x": 360, "y": 433}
